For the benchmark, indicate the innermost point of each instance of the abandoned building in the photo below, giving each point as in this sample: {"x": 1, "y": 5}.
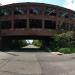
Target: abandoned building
{"x": 33, "y": 20}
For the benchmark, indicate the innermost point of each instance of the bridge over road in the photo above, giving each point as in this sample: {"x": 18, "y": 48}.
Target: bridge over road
{"x": 33, "y": 20}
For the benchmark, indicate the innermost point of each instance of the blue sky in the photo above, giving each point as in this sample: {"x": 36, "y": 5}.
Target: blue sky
{"x": 64, "y": 3}
{"x": 56, "y": 2}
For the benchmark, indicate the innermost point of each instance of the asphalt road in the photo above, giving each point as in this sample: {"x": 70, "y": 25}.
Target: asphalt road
{"x": 36, "y": 63}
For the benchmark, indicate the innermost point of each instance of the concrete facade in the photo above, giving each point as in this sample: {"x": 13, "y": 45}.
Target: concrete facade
{"x": 34, "y": 19}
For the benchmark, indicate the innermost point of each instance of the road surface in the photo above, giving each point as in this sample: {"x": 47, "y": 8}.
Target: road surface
{"x": 36, "y": 63}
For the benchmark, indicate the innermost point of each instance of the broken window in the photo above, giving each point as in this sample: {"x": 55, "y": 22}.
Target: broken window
{"x": 50, "y": 11}
{"x": 5, "y": 24}
{"x": 63, "y": 14}
{"x": 50, "y": 24}
{"x": 72, "y": 27}
{"x": 35, "y": 23}
{"x": 35, "y": 10}
{"x": 5, "y": 11}
{"x": 20, "y": 10}
{"x": 65, "y": 26}
{"x": 72, "y": 16}
{"x": 20, "y": 23}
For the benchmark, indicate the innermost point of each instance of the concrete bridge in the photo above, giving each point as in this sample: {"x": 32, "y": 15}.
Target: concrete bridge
{"x": 33, "y": 20}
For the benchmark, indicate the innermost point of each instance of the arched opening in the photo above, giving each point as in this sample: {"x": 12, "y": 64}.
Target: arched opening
{"x": 26, "y": 43}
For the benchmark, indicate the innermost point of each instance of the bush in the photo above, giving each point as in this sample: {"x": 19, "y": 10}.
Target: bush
{"x": 48, "y": 49}
{"x": 65, "y": 50}
{"x": 56, "y": 49}
{"x": 73, "y": 49}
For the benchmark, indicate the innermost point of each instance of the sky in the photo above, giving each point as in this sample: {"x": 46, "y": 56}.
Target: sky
{"x": 64, "y": 3}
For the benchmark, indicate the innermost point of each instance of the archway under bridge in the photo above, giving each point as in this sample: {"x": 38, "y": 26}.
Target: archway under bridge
{"x": 6, "y": 43}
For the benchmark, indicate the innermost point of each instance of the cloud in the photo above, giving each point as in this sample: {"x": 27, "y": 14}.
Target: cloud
{"x": 8, "y": 1}
{"x": 4, "y": 2}
{"x": 70, "y": 4}
{"x": 27, "y": 0}
{"x": 66, "y": 3}
{"x": 16, "y": 1}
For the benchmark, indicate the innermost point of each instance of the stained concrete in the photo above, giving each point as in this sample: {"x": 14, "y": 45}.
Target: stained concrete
{"x": 36, "y": 63}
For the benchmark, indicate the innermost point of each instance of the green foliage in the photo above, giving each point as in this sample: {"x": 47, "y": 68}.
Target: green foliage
{"x": 18, "y": 43}
{"x": 73, "y": 49}
{"x": 48, "y": 49}
{"x": 22, "y": 43}
{"x": 63, "y": 40}
{"x": 38, "y": 43}
{"x": 65, "y": 50}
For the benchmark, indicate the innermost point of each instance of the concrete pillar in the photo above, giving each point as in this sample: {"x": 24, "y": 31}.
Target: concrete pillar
{"x": 28, "y": 17}
{"x": 49, "y": 43}
{"x": 0, "y": 43}
{"x": 6, "y": 43}
{"x": 12, "y": 19}
{"x": 43, "y": 20}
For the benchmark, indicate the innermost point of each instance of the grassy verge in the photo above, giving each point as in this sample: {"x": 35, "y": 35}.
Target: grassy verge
{"x": 62, "y": 50}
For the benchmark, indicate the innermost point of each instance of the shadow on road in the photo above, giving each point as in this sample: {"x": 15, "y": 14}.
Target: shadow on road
{"x": 24, "y": 50}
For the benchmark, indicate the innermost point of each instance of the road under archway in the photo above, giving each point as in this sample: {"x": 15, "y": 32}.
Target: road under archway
{"x": 7, "y": 42}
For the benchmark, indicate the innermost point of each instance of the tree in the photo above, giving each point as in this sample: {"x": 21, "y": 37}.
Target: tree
{"x": 39, "y": 43}
{"x": 19, "y": 43}
{"x": 22, "y": 43}
{"x": 63, "y": 40}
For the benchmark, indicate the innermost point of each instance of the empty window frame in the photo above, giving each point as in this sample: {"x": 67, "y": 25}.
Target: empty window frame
{"x": 50, "y": 24}
{"x": 20, "y": 23}
{"x": 72, "y": 16}
{"x": 72, "y": 27}
{"x": 5, "y": 24}
{"x": 35, "y": 10}
{"x": 50, "y": 11}
{"x": 64, "y": 14}
{"x": 65, "y": 26}
{"x": 5, "y": 11}
{"x": 20, "y": 10}
{"x": 35, "y": 23}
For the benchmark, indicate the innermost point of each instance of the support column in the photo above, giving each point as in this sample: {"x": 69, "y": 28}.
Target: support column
{"x": 0, "y": 43}
{"x": 57, "y": 20}
{"x": 48, "y": 43}
{"x": 42, "y": 23}
{"x": 43, "y": 20}
{"x": 12, "y": 20}
{"x": 6, "y": 43}
{"x": 27, "y": 23}
{"x": 27, "y": 17}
